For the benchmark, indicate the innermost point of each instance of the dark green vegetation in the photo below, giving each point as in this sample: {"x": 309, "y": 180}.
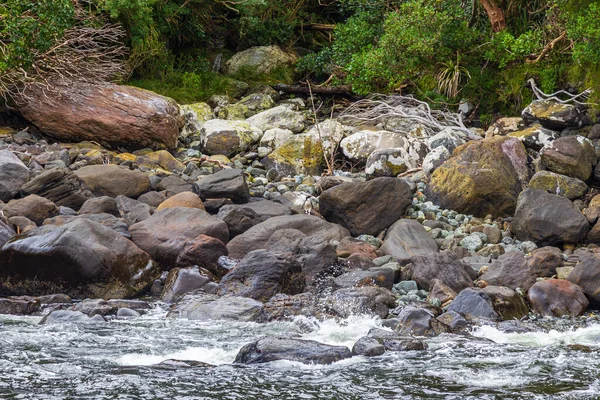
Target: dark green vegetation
{"x": 440, "y": 50}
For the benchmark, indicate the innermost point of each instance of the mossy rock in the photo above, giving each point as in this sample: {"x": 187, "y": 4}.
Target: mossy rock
{"x": 562, "y": 185}
{"x": 535, "y": 136}
{"x": 300, "y": 154}
{"x": 553, "y": 115}
{"x": 162, "y": 159}
{"x": 228, "y": 137}
{"x": 482, "y": 177}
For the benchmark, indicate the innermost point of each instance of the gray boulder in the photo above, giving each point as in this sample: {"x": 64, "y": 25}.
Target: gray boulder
{"x": 59, "y": 185}
{"x": 13, "y": 174}
{"x": 407, "y": 239}
{"x": 228, "y": 183}
{"x": 241, "y": 217}
{"x": 366, "y": 207}
{"x": 210, "y": 307}
{"x": 304, "y": 351}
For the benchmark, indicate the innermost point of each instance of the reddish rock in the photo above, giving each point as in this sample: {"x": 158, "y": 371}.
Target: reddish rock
{"x": 112, "y": 115}
{"x": 349, "y": 246}
{"x": 557, "y": 297}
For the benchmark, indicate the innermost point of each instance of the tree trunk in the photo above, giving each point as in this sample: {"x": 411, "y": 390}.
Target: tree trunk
{"x": 495, "y": 14}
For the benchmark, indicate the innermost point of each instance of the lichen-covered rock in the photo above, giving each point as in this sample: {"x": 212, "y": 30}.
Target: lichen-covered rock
{"x": 548, "y": 219}
{"x": 562, "y": 185}
{"x": 247, "y": 107}
{"x": 275, "y": 137}
{"x": 360, "y": 145}
{"x": 112, "y": 115}
{"x": 553, "y": 115}
{"x": 300, "y": 154}
{"x": 482, "y": 177}
{"x": 194, "y": 116}
{"x": 260, "y": 59}
{"x": 535, "y": 136}
{"x": 160, "y": 159}
{"x": 283, "y": 117}
{"x": 573, "y": 156}
{"x": 228, "y": 137}
{"x": 504, "y": 126}
{"x": 448, "y": 138}
{"x": 394, "y": 161}
{"x": 435, "y": 158}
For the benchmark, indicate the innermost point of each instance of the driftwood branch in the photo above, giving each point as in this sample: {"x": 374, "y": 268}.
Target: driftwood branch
{"x": 380, "y": 108}
{"x": 323, "y": 90}
{"x": 571, "y": 98}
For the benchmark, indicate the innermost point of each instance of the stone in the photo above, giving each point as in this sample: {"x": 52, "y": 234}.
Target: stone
{"x": 349, "y": 246}
{"x": 573, "y": 156}
{"x": 482, "y": 177}
{"x": 112, "y": 180}
{"x": 173, "y": 184}
{"x": 112, "y": 115}
{"x": 506, "y": 302}
{"x": 504, "y": 126}
{"x": 59, "y": 185}
{"x": 316, "y": 254}
{"x": 442, "y": 266}
{"x": 448, "y": 138}
{"x": 133, "y": 211}
{"x": 210, "y": 307}
{"x": 241, "y": 217}
{"x": 203, "y": 251}
{"x": 395, "y": 161}
{"x": 305, "y": 351}
{"x": 586, "y": 275}
{"x": 227, "y": 183}
{"x": 110, "y": 221}
{"x": 359, "y": 146}
{"x": 260, "y": 275}
{"x": 440, "y": 291}
{"x": 300, "y": 154}
{"x": 553, "y": 115}
{"x": 275, "y": 137}
{"x": 557, "y": 298}
{"x": 535, "y": 137}
{"x": 166, "y": 233}
{"x": 100, "y": 205}
{"x": 366, "y": 207}
{"x": 474, "y": 302}
{"x": 33, "y": 207}
{"x": 370, "y": 300}
{"x": 375, "y": 276}
{"x": 281, "y": 117}
{"x": 562, "y": 185}
{"x": 419, "y": 322}
{"x": 160, "y": 159}
{"x": 153, "y": 198}
{"x": 183, "y": 199}
{"x": 548, "y": 219}
{"x": 81, "y": 258}
{"x": 6, "y": 232}
{"x": 13, "y": 174}
{"x": 19, "y": 306}
{"x": 368, "y": 347}
{"x": 514, "y": 270}
{"x": 66, "y": 317}
{"x": 283, "y": 307}
{"x": 258, "y": 236}
{"x": 407, "y": 239}
{"x": 184, "y": 280}
{"x": 228, "y": 137}
{"x": 435, "y": 158}
{"x": 260, "y": 59}
{"x": 194, "y": 115}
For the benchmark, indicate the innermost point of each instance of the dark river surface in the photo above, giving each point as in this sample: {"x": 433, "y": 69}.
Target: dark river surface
{"x": 121, "y": 359}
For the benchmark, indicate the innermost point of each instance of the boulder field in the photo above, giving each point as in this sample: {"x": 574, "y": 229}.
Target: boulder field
{"x": 433, "y": 231}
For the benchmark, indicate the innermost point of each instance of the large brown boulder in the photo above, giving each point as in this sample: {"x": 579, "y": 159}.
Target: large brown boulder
{"x": 482, "y": 177}
{"x": 366, "y": 207}
{"x": 81, "y": 258}
{"x": 557, "y": 298}
{"x": 587, "y": 276}
{"x": 112, "y": 115}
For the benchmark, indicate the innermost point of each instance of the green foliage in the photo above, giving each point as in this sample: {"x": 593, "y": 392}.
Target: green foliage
{"x": 28, "y": 28}
{"x": 505, "y": 49}
{"x": 584, "y": 30}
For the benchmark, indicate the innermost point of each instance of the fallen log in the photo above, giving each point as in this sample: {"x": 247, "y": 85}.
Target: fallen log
{"x": 345, "y": 90}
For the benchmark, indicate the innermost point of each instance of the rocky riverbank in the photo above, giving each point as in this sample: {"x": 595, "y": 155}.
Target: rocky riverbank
{"x": 236, "y": 220}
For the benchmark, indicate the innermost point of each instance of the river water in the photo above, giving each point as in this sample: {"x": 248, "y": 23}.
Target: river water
{"x": 121, "y": 359}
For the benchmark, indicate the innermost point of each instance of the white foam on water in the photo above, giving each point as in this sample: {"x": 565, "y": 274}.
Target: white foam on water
{"x": 344, "y": 332}
{"x": 588, "y": 336}
{"x": 213, "y": 355}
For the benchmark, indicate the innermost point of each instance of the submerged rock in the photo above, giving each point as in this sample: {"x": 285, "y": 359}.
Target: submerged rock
{"x": 304, "y": 351}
